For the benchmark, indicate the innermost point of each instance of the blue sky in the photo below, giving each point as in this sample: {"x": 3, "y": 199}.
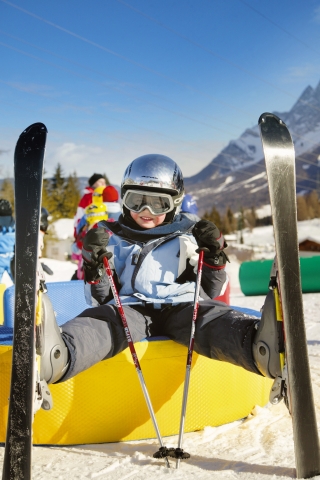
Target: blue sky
{"x": 115, "y": 79}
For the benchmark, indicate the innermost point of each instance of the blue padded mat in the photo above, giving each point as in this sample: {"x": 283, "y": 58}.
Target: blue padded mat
{"x": 67, "y": 299}
{"x": 6, "y": 335}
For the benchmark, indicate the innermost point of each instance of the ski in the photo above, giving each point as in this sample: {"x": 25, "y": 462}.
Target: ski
{"x": 28, "y": 172}
{"x": 295, "y": 385}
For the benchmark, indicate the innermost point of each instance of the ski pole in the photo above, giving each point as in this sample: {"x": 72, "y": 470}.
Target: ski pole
{"x": 178, "y": 452}
{"x": 163, "y": 451}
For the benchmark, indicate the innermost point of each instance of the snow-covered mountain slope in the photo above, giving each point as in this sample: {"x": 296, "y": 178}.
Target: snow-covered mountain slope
{"x": 236, "y": 176}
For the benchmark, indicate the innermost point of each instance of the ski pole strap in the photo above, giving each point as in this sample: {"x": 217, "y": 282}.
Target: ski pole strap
{"x": 196, "y": 305}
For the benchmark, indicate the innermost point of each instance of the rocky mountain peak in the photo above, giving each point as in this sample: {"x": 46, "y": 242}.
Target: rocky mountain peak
{"x": 239, "y": 168}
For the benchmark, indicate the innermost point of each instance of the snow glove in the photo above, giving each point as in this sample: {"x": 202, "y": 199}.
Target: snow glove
{"x": 209, "y": 237}
{"x": 94, "y": 249}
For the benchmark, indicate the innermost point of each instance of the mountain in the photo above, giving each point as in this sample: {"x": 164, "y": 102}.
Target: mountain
{"x": 236, "y": 176}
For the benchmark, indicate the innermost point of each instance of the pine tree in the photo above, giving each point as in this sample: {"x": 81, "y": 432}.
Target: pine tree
{"x": 313, "y": 205}
{"x": 7, "y": 191}
{"x": 251, "y": 217}
{"x": 46, "y": 193}
{"x": 61, "y": 196}
{"x": 226, "y": 225}
{"x": 241, "y": 224}
{"x": 214, "y": 217}
{"x": 231, "y": 219}
{"x": 56, "y": 194}
{"x": 73, "y": 192}
{"x": 302, "y": 208}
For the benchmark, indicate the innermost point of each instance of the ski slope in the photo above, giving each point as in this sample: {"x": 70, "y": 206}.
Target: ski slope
{"x": 256, "y": 448}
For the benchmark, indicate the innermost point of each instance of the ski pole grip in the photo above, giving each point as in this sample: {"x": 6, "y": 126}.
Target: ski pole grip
{"x": 203, "y": 250}
{"x": 103, "y": 255}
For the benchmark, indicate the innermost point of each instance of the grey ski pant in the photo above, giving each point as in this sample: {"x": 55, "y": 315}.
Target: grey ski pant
{"x": 221, "y": 332}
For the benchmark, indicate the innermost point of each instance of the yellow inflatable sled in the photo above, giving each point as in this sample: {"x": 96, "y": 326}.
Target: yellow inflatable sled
{"x": 106, "y": 404}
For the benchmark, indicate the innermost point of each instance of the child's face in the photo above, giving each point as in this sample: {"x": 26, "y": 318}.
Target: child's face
{"x": 99, "y": 183}
{"x": 146, "y": 219}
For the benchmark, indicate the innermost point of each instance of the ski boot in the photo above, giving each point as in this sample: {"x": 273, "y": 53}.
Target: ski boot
{"x": 51, "y": 350}
{"x": 268, "y": 342}
{"x": 269, "y": 345}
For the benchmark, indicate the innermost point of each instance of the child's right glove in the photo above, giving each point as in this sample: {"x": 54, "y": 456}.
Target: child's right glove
{"x": 93, "y": 251}
{"x": 208, "y": 236}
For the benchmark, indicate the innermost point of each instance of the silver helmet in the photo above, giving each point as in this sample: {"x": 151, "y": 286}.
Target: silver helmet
{"x": 153, "y": 172}
{"x": 157, "y": 173}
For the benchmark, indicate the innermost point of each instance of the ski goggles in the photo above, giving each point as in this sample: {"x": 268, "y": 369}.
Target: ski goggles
{"x": 157, "y": 203}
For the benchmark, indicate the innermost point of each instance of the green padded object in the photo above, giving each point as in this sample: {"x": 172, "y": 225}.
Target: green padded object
{"x": 254, "y": 276}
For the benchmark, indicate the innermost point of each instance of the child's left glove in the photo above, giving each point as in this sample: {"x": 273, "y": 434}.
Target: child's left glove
{"x": 93, "y": 251}
{"x": 208, "y": 236}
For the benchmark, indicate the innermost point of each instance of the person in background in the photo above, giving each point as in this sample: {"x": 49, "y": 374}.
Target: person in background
{"x": 93, "y": 213}
{"x": 95, "y": 181}
{"x": 44, "y": 223}
{"x": 111, "y": 200}
{"x": 7, "y": 242}
{"x": 189, "y": 207}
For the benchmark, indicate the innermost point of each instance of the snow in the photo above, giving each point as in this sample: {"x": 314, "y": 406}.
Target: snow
{"x": 261, "y": 239}
{"x": 63, "y": 228}
{"x": 250, "y": 143}
{"x": 309, "y": 229}
{"x": 264, "y": 211}
{"x": 62, "y": 271}
{"x": 259, "y": 447}
{"x": 310, "y": 140}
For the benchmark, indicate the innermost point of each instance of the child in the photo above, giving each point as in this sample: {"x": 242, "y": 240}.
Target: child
{"x": 93, "y": 213}
{"x": 110, "y": 199}
{"x": 153, "y": 254}
{"x": 95, "y": 181}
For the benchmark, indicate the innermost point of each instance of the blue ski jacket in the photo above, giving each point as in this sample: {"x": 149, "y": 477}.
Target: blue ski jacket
{"x": 155, "y": 266}
{"x": 7, "y": 243}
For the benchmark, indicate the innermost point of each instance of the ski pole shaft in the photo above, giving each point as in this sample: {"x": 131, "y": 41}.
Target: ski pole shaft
{"x": 134, "y": 355}
{"x": 179, "y": 452}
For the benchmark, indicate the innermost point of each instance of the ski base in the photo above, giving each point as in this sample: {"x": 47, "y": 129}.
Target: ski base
{"x": 296, "y": 382}
{"x": 28, "y": 171}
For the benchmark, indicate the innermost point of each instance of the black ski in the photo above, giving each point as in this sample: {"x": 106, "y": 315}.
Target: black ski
{"x": 28, "y": 171}
{"x": 280, "y": 165}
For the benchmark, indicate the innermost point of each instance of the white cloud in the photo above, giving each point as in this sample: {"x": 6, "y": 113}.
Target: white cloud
{"x": 120, "y": 149}
{"x": 301, "y": 72}
{"x": 72, "y": 156}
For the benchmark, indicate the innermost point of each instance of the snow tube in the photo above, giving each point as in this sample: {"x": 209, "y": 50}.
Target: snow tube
{"x": 105, "y": 403}
{"x": 254, "y": 276}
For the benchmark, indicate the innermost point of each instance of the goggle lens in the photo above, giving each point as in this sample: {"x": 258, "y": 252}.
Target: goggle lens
{"x": 157, "y": 204}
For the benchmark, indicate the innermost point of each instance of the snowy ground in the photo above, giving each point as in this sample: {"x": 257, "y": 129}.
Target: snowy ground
{"x": 256, "y": 448}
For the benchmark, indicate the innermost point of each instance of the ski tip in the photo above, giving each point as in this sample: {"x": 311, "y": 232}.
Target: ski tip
{"x": 33, "y": 138}
{"x": 37, "y": 127}
{"x": 268, "y": 116}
